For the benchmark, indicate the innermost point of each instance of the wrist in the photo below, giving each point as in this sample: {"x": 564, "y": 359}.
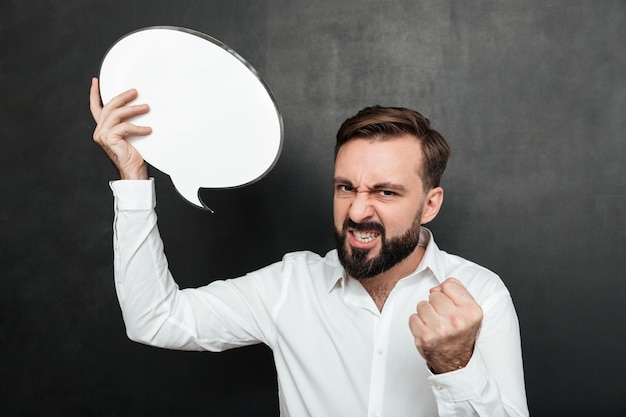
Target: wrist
{"x": 443, "y": 364}
{"x": 138, "y": 173}
{"x": 448, "y": 367}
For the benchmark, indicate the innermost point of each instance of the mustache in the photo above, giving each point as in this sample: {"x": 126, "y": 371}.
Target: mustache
{"x": 365, "y": 226}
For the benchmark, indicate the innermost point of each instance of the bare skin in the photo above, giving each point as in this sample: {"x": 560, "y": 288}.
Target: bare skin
{"x": 112, "y": 130}
{"x": 379, "y": 287}
{"x": 379, "y": 181}
{"x": 445, "y": 326}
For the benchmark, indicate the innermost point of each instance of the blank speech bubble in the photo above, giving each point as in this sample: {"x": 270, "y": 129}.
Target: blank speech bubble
{"x": 215, "y": 123}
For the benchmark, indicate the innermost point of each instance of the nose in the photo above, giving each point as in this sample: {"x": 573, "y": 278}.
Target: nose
{"x": 361, "y": 208}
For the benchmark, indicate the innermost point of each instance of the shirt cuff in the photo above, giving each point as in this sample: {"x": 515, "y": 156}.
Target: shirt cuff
{"x": 134, "y": 194}
{"x": 461, "y": 385}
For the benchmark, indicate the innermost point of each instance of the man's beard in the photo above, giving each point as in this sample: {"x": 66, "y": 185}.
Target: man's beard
{"x": 392, "y": 251}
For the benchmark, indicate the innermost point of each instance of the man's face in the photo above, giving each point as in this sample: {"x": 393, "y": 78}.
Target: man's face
{"x": 378, "y": 203}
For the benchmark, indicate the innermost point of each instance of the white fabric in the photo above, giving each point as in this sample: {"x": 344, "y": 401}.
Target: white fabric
{"x": 335, "y": 353}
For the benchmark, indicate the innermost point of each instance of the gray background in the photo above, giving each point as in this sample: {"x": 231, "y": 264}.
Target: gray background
{"x": 530, "y": 94}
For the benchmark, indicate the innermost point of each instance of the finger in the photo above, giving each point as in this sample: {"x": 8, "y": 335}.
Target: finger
{"x": 95, "y": 105}
{"x": 123, "y": 98}
{"x": 109, "y": 121}
{"x": 129, "y": 129}
{"x": 123, "y": 113}
{"x": 416, "y": 325}
{"x": 121, "y": 131}
{"x": 442, "y": 304}
{"x": 436, "y": 289}
{"x": 117, "y": 102}
{"x": 457, "y": 292}
{"x": 427, "y": 313}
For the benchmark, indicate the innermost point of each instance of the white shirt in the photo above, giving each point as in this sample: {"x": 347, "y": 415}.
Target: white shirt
{"x": 335, "y": 353}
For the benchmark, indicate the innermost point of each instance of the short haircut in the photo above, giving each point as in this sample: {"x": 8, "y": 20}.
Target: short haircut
{"x": 381, "y": 123}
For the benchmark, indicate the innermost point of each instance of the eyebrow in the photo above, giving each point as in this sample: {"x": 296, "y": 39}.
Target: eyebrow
{"x": 341, "y": 180}
{"x": 389, "y": 186}
{"x": 379, "y": 186}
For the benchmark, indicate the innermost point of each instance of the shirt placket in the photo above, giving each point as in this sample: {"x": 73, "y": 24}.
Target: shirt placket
{"x": 382, "y": 327}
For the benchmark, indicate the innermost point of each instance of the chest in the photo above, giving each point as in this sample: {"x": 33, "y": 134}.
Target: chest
{"x": 340, "y": 349}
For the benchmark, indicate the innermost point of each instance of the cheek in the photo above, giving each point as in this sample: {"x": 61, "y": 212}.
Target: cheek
{"x": 398, "y": 222}
{"x": 340, "y": 212}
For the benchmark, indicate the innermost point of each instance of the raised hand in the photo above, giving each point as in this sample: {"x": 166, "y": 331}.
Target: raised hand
{"x": 113, "y": 128}
{"x": 445, "y": 326}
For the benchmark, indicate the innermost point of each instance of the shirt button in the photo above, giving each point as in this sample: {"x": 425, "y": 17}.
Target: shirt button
{"x": 439, "y": 387}
{"x": 380, "y": 351}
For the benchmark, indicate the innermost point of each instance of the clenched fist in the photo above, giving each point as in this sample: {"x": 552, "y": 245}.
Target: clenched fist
{"x": 445, "y": 326}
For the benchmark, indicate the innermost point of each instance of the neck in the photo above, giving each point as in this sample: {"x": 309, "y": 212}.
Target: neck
{"x": 379, "y": 287}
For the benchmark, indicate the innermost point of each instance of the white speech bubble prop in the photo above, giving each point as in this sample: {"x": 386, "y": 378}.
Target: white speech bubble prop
{"x": 215, "y": 124}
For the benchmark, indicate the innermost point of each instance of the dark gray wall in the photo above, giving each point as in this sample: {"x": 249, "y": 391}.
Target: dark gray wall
{"x": 531, "y": 95}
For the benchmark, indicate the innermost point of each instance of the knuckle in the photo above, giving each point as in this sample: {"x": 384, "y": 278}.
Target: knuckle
{"x": 475, "y": 311}
{"x": 447, "y": 286}
{"x": 457, "y": 321}
{"x": 478, "y": 315}
{"x": 437, "y": 296}
{"x": 422, "y": 305}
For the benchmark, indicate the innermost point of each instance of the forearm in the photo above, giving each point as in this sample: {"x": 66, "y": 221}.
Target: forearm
{"x": 492, "y": 383}
{"x": 215, "y": 317}
{"x": 146, "y": 291}
{"x": 471, "y": 392}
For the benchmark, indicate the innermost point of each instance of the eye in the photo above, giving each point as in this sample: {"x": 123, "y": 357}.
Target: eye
{"x": 344, "y": 188}
{"x": 386, "y": 193}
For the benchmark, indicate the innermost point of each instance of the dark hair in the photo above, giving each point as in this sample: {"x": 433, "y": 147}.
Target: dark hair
{"x": 388, "y": 122}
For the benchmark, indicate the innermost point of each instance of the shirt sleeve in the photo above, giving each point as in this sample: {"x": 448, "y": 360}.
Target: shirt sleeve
{"x": 219, "y": 316}
{"x": 492, "y": 383}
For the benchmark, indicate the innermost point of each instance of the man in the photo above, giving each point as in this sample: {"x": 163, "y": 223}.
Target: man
{"x": 385, "y": 325}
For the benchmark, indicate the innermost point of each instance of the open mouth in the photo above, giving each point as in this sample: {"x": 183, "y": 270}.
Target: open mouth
{"x": 365, "y": 237}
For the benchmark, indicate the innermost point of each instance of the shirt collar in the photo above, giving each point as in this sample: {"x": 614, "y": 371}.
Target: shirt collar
{"x": 432, "y": 256}
{"x": 430, "y": 261}
{"x": 335, "y": 274}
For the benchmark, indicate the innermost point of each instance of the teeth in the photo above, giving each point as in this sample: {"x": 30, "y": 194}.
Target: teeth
{"x": 365, "y": 236}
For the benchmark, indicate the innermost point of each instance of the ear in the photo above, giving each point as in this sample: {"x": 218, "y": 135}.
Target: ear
{"x": 432, "y": 204}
